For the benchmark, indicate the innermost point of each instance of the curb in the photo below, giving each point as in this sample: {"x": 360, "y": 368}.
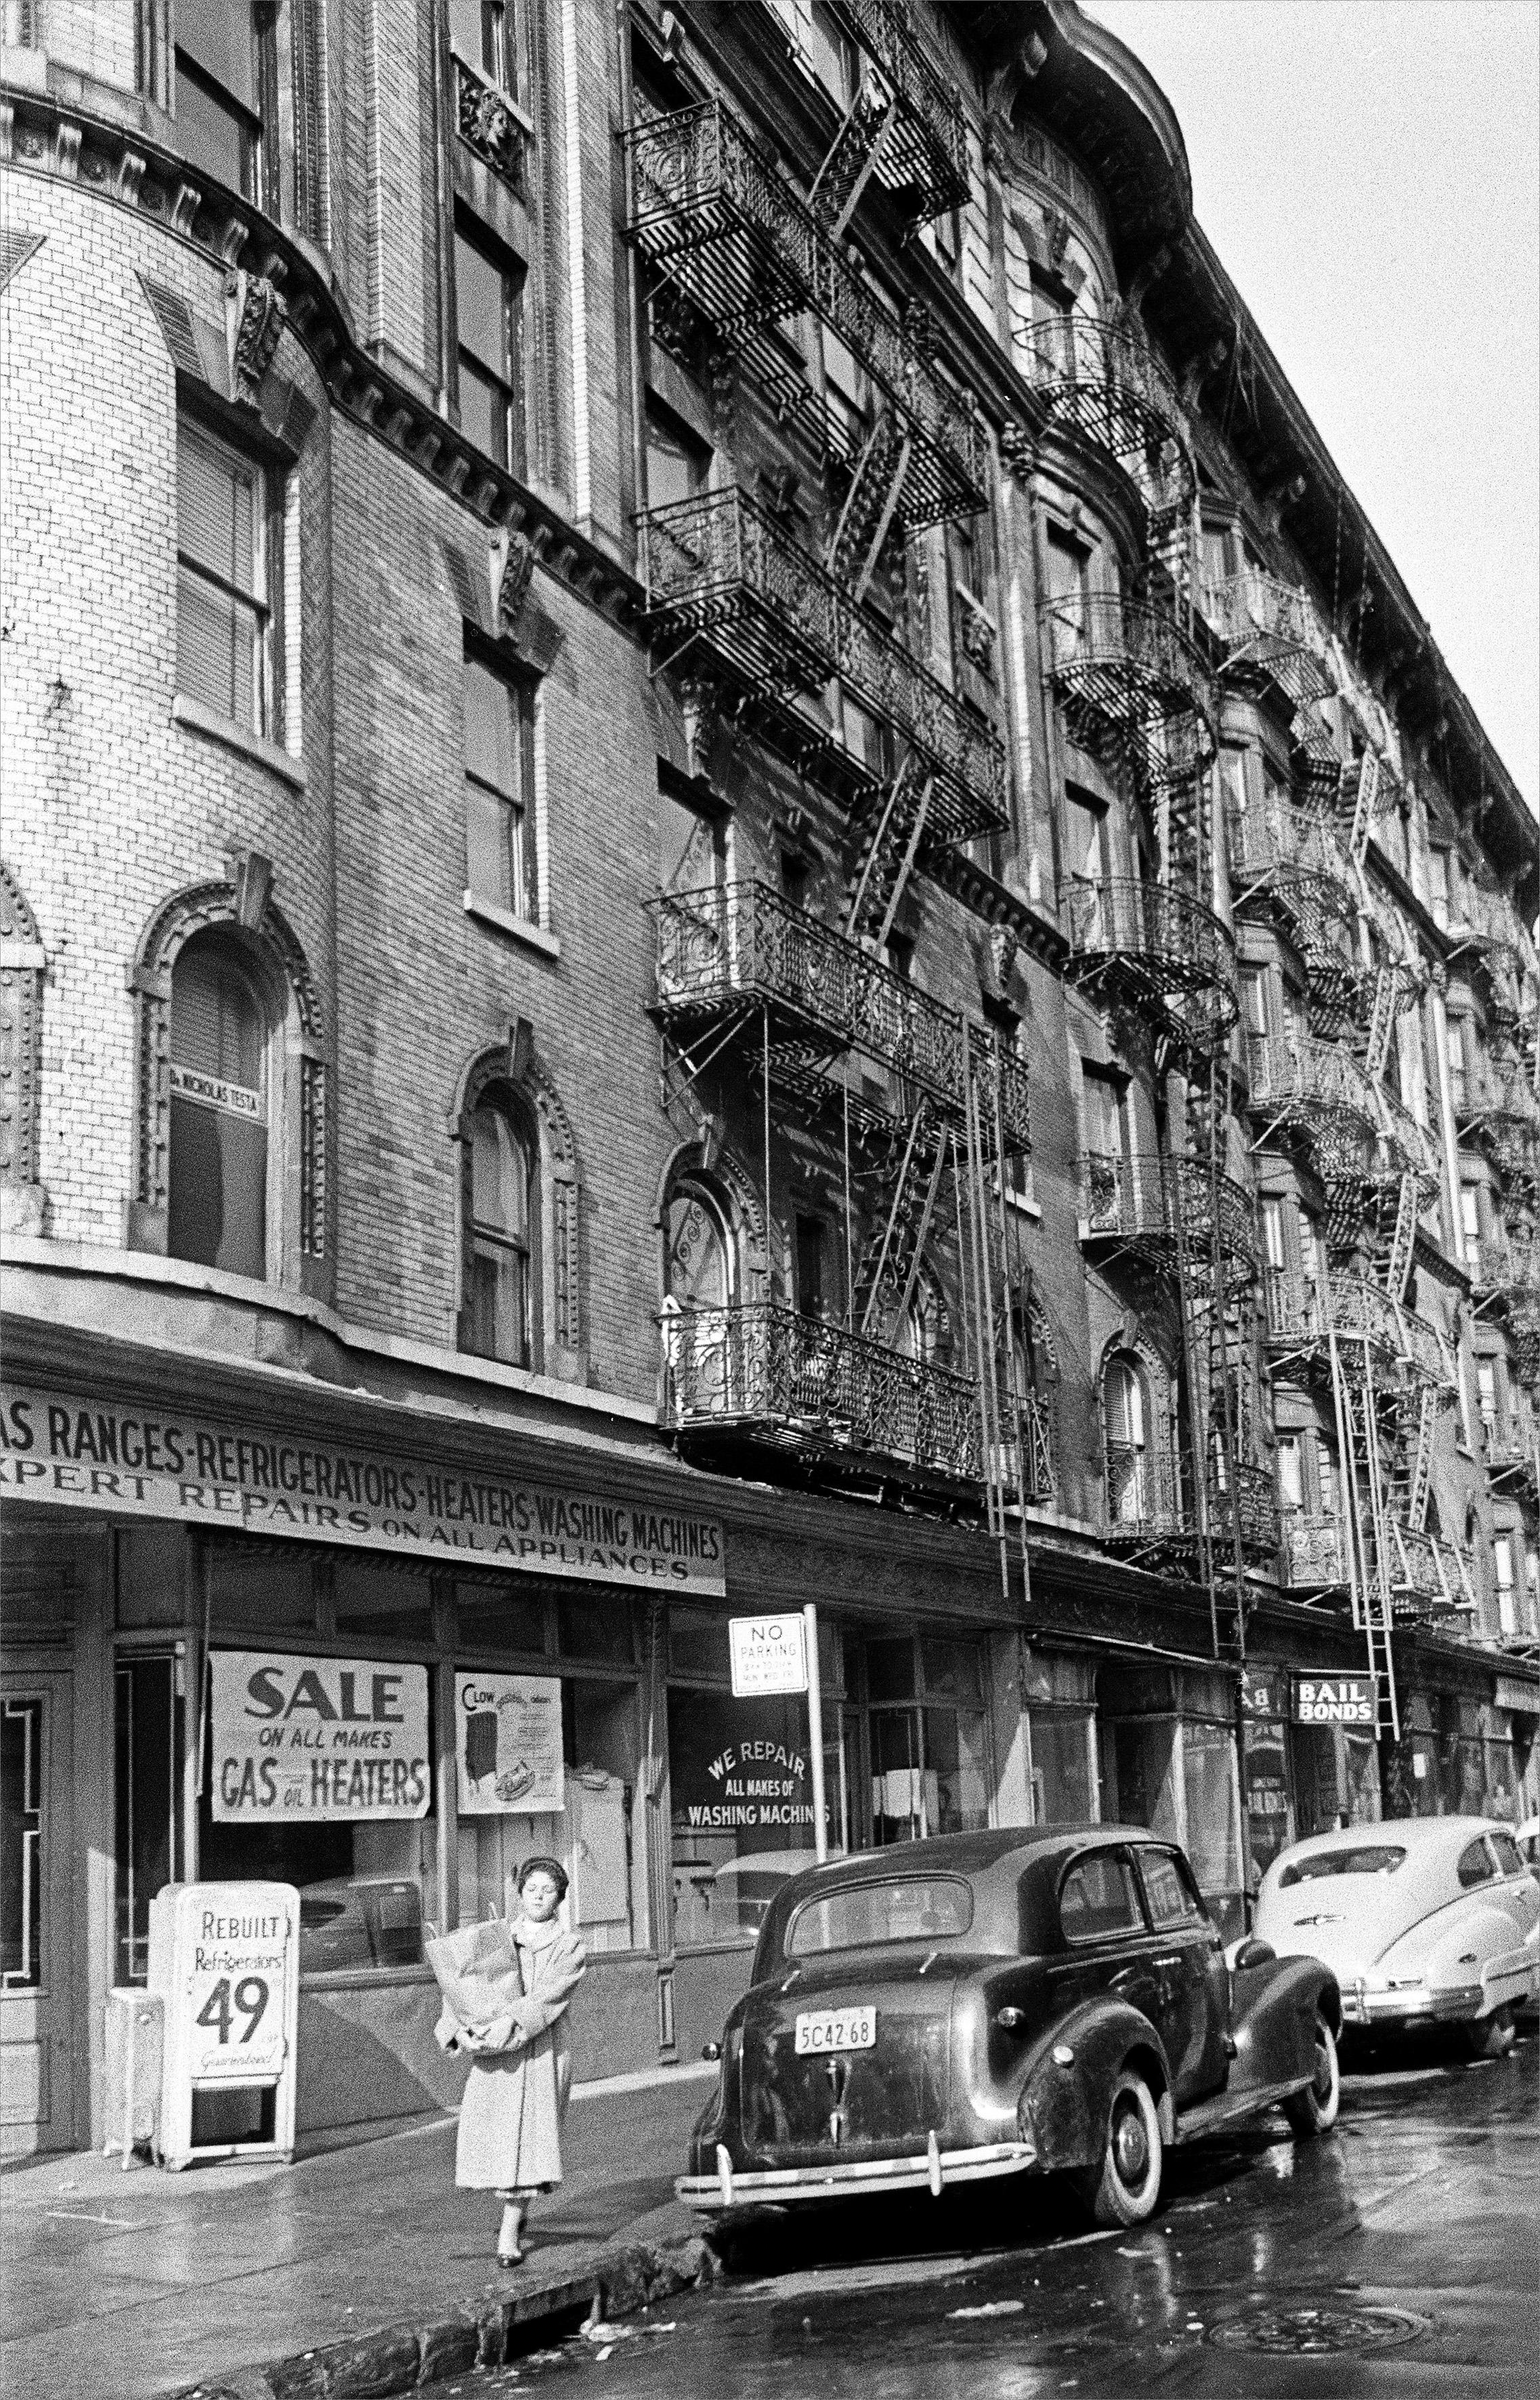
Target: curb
{"x": 404, "y": 2358}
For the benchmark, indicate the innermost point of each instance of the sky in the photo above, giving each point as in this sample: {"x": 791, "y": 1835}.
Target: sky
{"x": 1368, "y": 171}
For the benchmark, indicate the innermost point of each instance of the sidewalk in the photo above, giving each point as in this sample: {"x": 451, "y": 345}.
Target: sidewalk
{"x": 121, "y": 2286}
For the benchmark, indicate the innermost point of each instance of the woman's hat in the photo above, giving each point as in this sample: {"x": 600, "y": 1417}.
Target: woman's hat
{"x": 552, "y": 1867}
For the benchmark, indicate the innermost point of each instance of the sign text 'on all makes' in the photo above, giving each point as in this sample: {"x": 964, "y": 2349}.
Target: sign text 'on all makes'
{"x": 770, "y": 1654}
{"x": 151, "y": 1461}
{"x": 316, "y": 1740}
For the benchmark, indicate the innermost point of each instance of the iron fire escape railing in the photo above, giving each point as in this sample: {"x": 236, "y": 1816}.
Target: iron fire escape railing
{"x": 1134, "y": 688}
{"x": 1132, "y": 1206}
{"x": 811, "y": 1385}
{"x": 712, "y": 213}
{"x": 719, "y": 568}
{"x": 1160, "y": 948}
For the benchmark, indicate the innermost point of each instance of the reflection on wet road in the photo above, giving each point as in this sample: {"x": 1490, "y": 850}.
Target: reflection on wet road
{"x": 1397, "y": 2255}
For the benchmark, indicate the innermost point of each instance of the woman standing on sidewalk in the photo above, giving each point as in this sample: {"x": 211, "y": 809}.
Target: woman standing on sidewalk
{"x": 520, "y": 2066}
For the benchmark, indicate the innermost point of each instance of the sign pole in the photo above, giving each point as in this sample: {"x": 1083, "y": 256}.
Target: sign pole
{"x": 815, "y": 1733}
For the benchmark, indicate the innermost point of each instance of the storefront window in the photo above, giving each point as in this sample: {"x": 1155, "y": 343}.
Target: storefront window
{"x": 147, "y": 1796}
{"x": 1267, "y": 1808}
{"x": 742, "y": 1800}
{"x": 1143, "y": 1753}
{"x": 1213, "y": 1818}
{"x": 1362, "y": 1760}
{"x": 1061, "y": 1765}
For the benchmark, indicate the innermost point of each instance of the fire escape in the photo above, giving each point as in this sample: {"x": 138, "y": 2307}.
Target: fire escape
{"x": 931, "y": 1111}
{"x": 1329, "y": 1091}
{"x": 1135, "y": 692}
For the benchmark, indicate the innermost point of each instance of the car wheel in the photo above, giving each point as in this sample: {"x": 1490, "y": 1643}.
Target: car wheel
{"x": 1313, "y": 2110}
{"x": 1491, "y": 2037}
{"x": 1124, "y": 2188}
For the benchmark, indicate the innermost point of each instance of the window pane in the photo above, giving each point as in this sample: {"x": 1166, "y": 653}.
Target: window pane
{"x": 697, "y": 1253}
{"x": 951, "y": 1669}
{"x": 889, "y": 1669}
{"x": 491, "y": 847}
{"x": 881, "y": 1912}
{"x": 676, "y": 466}
{"x": 216, "y": 136}
{"x": 218, "y": 1205}
{"x": 216, "y": 509}
{"x": 484, "y": 412}
{"x": 481, "y": 297}
{"x": 1099, "y": 1899}
{"x": 595, "y": 1629}
{"x": 216, "y": 1022}
{"x": 220, "y": 35}
{"x": 217, "y": 650}
{"x": 955, "y": 1757}
{"x": 499, "y": 1175}
{"x": 498, "y": 1283}
{"x": 492, "y": 730}
{"x": 490, "y": 1617}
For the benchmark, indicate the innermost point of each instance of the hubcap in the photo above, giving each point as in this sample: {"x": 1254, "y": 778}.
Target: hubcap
{"x": 1130, "y": 2150}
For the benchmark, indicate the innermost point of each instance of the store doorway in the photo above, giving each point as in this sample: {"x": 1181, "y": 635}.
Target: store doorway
{"x": 37, "y": 1936}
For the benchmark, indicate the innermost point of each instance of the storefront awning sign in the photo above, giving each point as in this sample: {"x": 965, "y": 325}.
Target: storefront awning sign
{"x": 1334, "y": 1699}
{"x": 1262, "y": 1694}
{"x": 151, "y": 1461}
{"x": 1510, "y": 1692}
{"x": 769, "y": 1653}
{"x": 507, "y": 1745}
{"x": 302, "y": 1740}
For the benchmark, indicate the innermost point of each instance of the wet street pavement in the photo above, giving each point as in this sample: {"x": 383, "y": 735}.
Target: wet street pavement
{"x": 1396, "y": 2256}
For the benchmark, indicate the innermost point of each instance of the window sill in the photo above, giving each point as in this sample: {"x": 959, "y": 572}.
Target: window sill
{"x": 224, "y": 730}
{"x": 519, "y": 929}
{"x": 1028, "y": 1208}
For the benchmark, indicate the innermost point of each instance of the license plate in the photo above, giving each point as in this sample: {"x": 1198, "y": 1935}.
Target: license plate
{"x": 825, "y": 2030}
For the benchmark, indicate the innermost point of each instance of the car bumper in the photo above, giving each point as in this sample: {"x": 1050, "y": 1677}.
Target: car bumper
{"x": 1500, "y": 1985}
{"x": 932, "y": 2169}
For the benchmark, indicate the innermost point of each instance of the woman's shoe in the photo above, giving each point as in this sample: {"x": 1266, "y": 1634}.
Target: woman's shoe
{"x": 510, "y": 2257}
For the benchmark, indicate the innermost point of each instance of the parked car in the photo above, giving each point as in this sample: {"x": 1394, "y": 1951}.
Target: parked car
{"x": 1526, "y": 1835}
{"x": 997, "y": 2004}
{"x": 1419, "y": 1918}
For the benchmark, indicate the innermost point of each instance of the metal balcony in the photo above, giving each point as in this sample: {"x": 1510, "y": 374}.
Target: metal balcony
{"x": 760, "y": 1374}
{"x": 1314, "y": 1552}
{"x": 1130, "y": 683}
{"x": 710, "y": 210}
{"x": 1423, "y": 1575}
{"x": 1318, "y": 1092}
{"x": 1150, "y": 1505}
{"x": 1159, "y": 948}
{"x": 742, "y": 947}
{"x": 1293, "y": 855}
{"x": 1134, "y": 1206}
{"x": 925, "y": 160}
{"x": 1271, "y": 634}
{"x": 1103, "y": 382}
{"x": 721, "y": 569}
{"x": 1403, "y": 1349}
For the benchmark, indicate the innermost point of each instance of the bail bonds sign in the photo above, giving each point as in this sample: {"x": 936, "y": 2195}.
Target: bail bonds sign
{"x": 316, "y": 1740}
{"x": 1334, "y": 1699}
{"x": 153, "y": 1462}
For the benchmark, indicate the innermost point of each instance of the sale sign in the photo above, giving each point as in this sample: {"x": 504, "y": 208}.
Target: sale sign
{"x": 322, "y": 1740}
{"x": 238, "y": 1966}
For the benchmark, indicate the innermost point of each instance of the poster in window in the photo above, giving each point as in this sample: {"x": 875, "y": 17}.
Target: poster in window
{"x": 507, "y": 1745}
{"x": 303, "y": 1740}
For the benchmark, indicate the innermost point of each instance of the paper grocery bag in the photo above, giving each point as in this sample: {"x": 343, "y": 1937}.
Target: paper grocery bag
{"x": 477, "y": 1968}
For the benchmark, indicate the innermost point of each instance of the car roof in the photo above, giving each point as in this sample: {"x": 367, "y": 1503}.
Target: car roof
{"x": 1429, "y": 1838}
{"x": 971, "y": 1853}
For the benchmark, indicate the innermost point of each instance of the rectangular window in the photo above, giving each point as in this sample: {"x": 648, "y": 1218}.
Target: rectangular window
{"x": 1084, "y": 822}
{"x": 1068, "y": 568}
{"x": 1470, "y": 1225}
{"x": 1326, "y": 1477}
{"x": 218, "y": 92}
{"x": 692, "y": 848}
{"x": 489, "y": 300}
{"x": 1454, "y": 1050}
{"x": 1438, "y": 885}
{"x": 1290, "y": 1472}
{"x": 486, "y": 31}
{"x": 1501, "y": 1560}
{"x": 147, "y": 1810}
{"x": 499, "y": 818}
{"x": 1254, "y": 1001}
{"x": 677, "y": 465}
{"x": 1104, "y": 1116}
{"x": 1486, "y": 1394}
{"x": 1273, "y": 1234}
{"x": 225, "y": 542}
{"x": 849, "y": 395}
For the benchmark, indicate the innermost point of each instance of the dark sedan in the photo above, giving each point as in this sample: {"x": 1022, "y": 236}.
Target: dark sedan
{"x": 1002, "y": 2003}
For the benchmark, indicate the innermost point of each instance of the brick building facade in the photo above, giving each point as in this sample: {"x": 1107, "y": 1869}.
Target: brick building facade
{"x": 731, "y": 877}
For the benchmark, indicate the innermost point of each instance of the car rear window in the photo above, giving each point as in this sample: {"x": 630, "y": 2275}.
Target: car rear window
{"x": 1371, "y": 1859}
{"x": 1168, "y": 1892}
{"x": 1097, "y": 1898}
{"x": 914, "y": 1910}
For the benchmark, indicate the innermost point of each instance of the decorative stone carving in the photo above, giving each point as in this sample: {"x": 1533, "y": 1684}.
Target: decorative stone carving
{"x": 513, "y": 569}
{"x": 1017, "y": 451}
{"x": 975, "y": 632}
{"x": 23, "y": 1201}
{"x": 273, "y": 948}
{"x": 489, "y": 126}
{"x": 254, "y": 318}
{"x": 1003, "y": 943}
{"x": 701, "y": 706}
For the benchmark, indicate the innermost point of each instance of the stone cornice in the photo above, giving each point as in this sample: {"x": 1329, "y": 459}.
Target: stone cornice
{"x": 116, "y": 162}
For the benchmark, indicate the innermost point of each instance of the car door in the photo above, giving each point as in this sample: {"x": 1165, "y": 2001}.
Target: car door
{"x": 1192, "y": 1978}
{"x": 1518, "y": 1894}
{"x": 1108, "y": 1946}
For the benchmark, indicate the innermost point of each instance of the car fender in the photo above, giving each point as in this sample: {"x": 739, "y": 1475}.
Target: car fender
{"x": 1064, "y": 2101}
{"x": 1272, "y": 2019}
{"x": 1466, "y": 1954}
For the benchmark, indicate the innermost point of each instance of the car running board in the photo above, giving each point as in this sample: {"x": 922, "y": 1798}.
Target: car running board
{"x": 1210, "y": 2115}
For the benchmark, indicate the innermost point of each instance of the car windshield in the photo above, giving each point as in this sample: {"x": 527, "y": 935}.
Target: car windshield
{"x": 912, "y": 1911}
{"x": 1372, "y": 1859}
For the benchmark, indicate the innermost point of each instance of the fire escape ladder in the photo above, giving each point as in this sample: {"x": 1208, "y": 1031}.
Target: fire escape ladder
{"x": 1382, "y": 1023}
{"x": 876, "y": 487}
{"x": 878, "y": 884}
{"x": 1368, "y": 1525}
{"x": 1421, "y": 1460}
{"x": 1403, "y": 1239}
{"x": 893, "y": 1265}
{"x": 1365, "y": 805}
{"x": 984, "y": 1245}
{"x": 854, "y": 154}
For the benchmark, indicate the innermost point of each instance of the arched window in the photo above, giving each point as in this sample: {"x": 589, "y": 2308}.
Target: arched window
{"x": 699, "y": 1260}
{"x": 219, "y": 1112}
{"x": 700, "y": 1341}
{"x": 501, "y": 1218}
{"x": 1126, "y": 1401}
